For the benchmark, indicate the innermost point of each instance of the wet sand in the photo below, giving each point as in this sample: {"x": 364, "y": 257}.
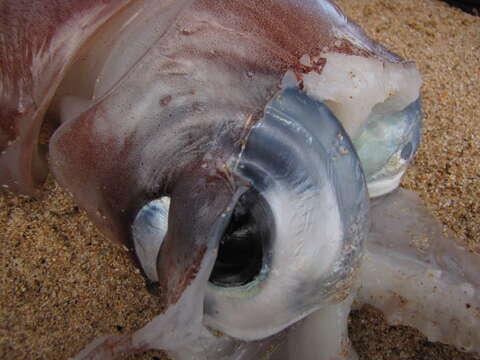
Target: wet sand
{"x": 63, "y": 284}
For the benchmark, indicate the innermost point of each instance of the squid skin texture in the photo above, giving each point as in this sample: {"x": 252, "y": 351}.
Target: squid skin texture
{"x": 205, "y": 72}
{"x": 39, "y": 40}
{"x": 190, "y": 71}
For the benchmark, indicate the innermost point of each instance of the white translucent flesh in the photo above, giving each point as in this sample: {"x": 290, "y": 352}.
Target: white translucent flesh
{"x": 370, "y": 97}
{"x": 353, "y": 85}
{"x": 384, "y": 186}
{"x": 217, "y": 346}
{"x": 301, "y": 256}
{"x": 418, "y": 276}
{"x": 321, "y": 336}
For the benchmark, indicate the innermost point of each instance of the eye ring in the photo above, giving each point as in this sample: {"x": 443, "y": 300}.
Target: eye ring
{"x": 300, "y": 159}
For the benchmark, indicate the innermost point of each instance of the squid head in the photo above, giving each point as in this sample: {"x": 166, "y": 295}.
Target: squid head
{"x": 232, "y": 146}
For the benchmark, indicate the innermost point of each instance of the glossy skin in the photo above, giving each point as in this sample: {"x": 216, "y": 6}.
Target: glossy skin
{"x": 194, "y": 111}
{"x": 31, "y": 33}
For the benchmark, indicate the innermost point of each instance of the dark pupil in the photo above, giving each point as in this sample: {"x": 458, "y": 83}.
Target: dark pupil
{"x": 241, "y": 252}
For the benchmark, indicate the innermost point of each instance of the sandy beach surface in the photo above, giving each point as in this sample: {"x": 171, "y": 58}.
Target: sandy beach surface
{"x": 62, "y": 283}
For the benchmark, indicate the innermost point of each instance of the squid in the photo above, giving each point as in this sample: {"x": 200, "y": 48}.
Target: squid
{"x": 249, "y": 155}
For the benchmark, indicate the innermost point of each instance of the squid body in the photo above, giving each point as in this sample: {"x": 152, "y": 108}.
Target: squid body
{"x": 248, "y": 153}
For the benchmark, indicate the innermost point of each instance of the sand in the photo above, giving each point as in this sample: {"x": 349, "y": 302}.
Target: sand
{"x": 63, "y": 284}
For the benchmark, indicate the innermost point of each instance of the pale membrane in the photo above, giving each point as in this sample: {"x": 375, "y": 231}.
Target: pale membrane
{"x": 353, "y": 85}
{"x": 419, "y": 276}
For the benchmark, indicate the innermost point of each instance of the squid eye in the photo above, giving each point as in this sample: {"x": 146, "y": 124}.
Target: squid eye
{"x": 387, "y": 145}
{"x": 296, "y": 235}
{"x": 286, "y": 242}
{"x": 378, "y": 103}
{"x": 245, "y": 247}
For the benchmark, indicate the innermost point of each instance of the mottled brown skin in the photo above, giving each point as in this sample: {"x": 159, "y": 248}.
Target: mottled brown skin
{"x": 34, "y": 55}
{"x": 42, "y": 38}
{"x": 192, "y": 219}
{"x": 107, "y": 171}
{"x": 271, "y": 36}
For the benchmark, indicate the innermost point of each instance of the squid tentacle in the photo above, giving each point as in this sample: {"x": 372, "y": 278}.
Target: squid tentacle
{"x": 418, "y": 276}
{"x": 321, "y": 336}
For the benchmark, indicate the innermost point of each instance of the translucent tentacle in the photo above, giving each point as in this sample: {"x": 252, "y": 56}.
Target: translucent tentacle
{"x": 323, "y": 335}
{"x": 419, "y": 276}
